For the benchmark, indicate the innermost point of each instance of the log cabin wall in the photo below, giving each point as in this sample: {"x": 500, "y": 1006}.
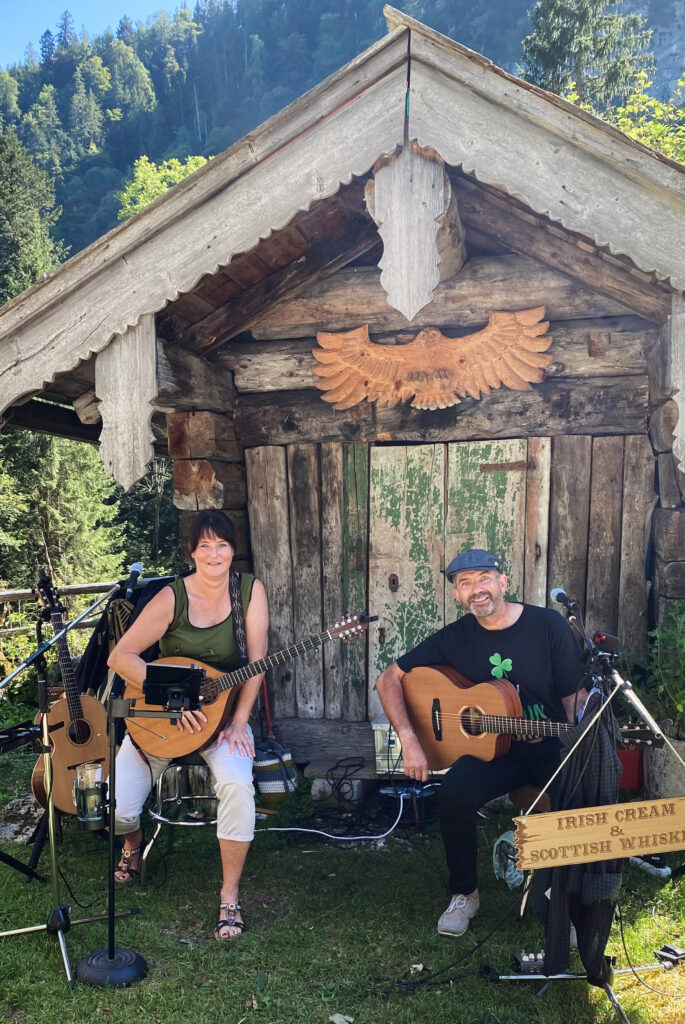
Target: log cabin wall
{"x": 563, "y": 475}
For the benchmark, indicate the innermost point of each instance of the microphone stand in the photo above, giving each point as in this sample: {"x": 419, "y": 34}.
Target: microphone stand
{"x": 40, "y": 652}
{"x": 117, "y": 965}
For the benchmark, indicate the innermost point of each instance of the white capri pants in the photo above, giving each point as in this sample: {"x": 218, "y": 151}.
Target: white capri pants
{"x": 232, "y": 773}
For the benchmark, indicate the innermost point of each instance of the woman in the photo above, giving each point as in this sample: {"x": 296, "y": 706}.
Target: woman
{"x": 193, "y": 618}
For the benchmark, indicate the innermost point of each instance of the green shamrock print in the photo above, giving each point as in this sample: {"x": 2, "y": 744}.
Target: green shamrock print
{"x": 501, "y": 667}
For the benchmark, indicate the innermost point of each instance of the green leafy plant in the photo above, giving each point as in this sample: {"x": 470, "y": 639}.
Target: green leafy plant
{"x": 666, "y": 665}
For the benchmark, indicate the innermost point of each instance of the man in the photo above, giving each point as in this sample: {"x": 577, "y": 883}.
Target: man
{"x": 531, "y": 647}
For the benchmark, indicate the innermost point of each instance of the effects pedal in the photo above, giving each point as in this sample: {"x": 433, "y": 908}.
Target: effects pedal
{"x": 529, "y": 963}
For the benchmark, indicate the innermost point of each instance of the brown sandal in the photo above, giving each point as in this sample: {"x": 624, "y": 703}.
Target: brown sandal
{"x": 125, "y": 866}
{"x": 229, "y": 921}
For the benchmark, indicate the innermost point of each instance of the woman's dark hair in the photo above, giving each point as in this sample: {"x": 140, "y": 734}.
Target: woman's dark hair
{"x": 211, "y": 520}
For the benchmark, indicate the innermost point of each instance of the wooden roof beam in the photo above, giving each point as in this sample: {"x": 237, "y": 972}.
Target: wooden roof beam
{"x": 354, "y": 296}
{"x": 520, "y": 234}
{"x": 55, "y": 420}
{"x": 253, "y": 304}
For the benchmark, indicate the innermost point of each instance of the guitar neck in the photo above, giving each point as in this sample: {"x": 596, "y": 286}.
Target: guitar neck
{"x": 68, "y": 676}
{"x": 255, "y": 668}
{"x": 522, "y": 726}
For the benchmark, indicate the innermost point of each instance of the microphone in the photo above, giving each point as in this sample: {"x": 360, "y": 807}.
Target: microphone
{"x": 560, "y": 595}
{"x": 133, "y": 574}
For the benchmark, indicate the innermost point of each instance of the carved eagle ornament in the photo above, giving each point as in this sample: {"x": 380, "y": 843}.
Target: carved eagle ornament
{"x": 436, "y": 370}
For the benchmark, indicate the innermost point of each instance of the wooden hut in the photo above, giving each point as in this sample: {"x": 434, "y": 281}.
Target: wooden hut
{"x": 418, "y": 189}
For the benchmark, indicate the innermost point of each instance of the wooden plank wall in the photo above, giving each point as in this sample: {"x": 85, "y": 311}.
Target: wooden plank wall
{"x": 332, "y": 523}
{"x": 307, "y": 507}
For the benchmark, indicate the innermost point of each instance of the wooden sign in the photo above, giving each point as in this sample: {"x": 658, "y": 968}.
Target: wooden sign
{"x": 599, "y": 833}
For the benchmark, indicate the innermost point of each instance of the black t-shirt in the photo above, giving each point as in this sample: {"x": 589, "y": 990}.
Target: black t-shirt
{"x": 538, "y": 654}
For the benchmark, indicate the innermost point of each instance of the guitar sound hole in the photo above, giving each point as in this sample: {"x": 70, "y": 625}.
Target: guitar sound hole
{"x": 79, "y": 731}
{"x": 470, "y": 721}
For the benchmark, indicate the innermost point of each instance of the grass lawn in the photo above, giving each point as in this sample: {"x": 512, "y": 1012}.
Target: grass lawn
{"x": 330, "y": 931}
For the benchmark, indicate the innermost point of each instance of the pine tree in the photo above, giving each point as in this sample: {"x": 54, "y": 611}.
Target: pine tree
{"x": 27, "y": 214}
{"x": 9, "y": 94}
{"x": 42, "y": 133}
{"x": 66, "y": 36}
{"x": 85, "y": 117}
{"x": 588, "y": 45}
{"x": 63, "y": 511}
{"x": 47, "y": 48}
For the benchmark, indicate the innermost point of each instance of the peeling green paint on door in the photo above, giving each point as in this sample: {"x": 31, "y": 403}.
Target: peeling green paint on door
{"x": 406, "y": 551}
{"x": 486, "y": 494}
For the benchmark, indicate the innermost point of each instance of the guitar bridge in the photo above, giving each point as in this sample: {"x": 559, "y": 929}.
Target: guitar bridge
{"x": 436, "y": 719}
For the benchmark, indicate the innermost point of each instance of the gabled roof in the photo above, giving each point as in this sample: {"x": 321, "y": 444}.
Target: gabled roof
{"x": 555, "y": 158}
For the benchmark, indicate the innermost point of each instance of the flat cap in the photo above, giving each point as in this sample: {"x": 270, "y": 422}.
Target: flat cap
{"x": 473, "y": 559}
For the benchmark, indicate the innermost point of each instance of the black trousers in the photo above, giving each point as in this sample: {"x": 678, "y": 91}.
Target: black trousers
{"x": 469, "y": 784}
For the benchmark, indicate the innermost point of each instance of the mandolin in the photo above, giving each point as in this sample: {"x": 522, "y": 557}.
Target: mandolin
{"x": 452, "y": 717}
{"x": 160, "y": 737}
{"x": 77, "y": 724}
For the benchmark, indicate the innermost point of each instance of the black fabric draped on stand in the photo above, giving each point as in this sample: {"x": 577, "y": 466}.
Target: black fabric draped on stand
{"x": 583, "y": 894}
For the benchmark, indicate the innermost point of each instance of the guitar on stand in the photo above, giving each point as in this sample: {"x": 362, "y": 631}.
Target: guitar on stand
{"x": 77, "y": 724}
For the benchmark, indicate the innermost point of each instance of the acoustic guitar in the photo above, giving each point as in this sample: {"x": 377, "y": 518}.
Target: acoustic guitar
{"x": 161, "y": 738}
{"x": 452, "y": 717}
{"x": 77, "y": 724}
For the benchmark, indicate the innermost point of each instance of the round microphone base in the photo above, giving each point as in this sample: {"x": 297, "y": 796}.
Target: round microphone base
{"x": 120, "y": 971}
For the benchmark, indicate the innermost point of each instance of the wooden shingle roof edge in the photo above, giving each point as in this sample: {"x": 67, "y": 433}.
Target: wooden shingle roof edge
{"x": 260, "y": 144}
{"x": 557, "y": 159}
{"x": 397, "y": 20}
{"x": 303, "y": 154}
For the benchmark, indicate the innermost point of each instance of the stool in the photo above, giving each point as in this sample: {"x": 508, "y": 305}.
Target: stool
{"x": 523, "y": 796}
{"x": 172, "y": 802}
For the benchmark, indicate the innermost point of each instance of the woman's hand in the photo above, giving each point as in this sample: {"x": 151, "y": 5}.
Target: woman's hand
{"x": 191, "y": 721}
{"x": 238, "y": 738}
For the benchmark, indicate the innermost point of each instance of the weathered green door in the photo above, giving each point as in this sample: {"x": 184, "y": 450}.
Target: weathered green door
{"x": 427, "y": 503}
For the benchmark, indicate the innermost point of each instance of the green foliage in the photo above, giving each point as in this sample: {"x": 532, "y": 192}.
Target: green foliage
{"x": 588, "y": 43}
{"x": 150, "y": 181}
{"x": 27, "y": 213}
{"x": 667, "y": 665}
{"x": 85, "y": 117}
{"x": 65, "y": 517}
{"x": 656, "y": 124}
{"x": 149, "y": 522}
{"x": 9, "y": 95}
{"x": 43, "y": 135}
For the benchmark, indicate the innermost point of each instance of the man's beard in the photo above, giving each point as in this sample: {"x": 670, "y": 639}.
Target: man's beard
{"x": 485, "y": 609}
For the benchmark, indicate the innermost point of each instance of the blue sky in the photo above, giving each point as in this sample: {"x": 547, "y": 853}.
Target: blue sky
{"x": 24, "y": 23}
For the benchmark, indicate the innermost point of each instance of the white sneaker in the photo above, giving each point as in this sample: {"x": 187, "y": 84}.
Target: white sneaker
{"x": 653, "y": 864}
{"x": 456, "y": 918}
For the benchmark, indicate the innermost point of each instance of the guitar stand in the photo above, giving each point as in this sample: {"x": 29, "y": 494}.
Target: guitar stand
{"x": 58, "y": 922}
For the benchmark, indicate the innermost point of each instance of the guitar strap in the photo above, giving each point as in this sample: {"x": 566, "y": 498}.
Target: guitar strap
{"x": 236, "y": 596}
